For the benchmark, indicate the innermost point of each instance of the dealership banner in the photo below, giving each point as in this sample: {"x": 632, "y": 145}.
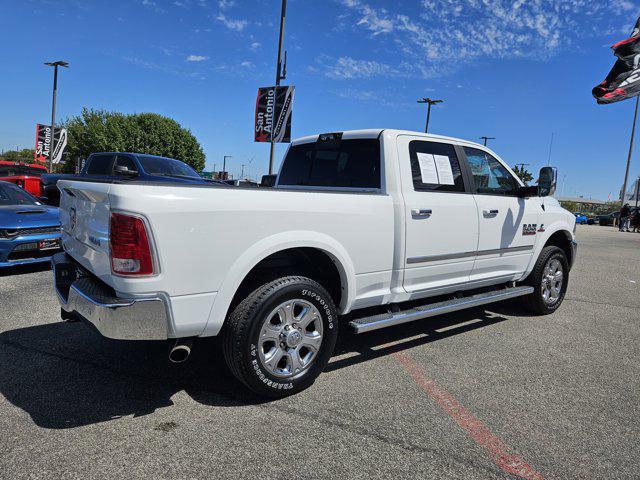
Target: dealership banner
{"x": 623, "y": 80}
{"x": 43, "y": 144}
{"x": 273, "y": 114}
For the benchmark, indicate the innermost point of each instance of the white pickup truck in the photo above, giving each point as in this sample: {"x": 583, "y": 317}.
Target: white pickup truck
{"x": 369, "y": 228}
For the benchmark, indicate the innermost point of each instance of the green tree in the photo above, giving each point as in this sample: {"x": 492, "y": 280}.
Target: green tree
{"x": 102, "y": 131}
{"x": 523, "y": 173}
{"x": 24, "y": 156}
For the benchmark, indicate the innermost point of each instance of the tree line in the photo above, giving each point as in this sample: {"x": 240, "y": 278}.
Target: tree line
{"x": 102, "y": 131}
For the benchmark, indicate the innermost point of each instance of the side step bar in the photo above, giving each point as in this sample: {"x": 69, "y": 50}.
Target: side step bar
{"x": 375, "y": 322}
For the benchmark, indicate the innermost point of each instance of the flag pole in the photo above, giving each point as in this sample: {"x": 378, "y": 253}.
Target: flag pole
{"x": 283, "y": 15}
{"x": 633, "y": 133}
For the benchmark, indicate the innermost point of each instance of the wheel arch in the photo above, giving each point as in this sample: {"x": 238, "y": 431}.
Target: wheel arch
{"x": 562, "y": 239}
{"x": 556, "y": 234}
{"x": 268, "y": 253}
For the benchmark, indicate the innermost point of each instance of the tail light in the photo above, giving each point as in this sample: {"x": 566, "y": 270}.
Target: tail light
{"x": 129, "y": 246}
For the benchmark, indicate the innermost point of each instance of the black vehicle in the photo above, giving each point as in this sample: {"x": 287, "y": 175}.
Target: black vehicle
{"x": 608, "y": 219}
{"x": 123, "y": 166}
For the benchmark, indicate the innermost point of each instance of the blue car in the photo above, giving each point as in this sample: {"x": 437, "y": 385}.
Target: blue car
{"x": 581, "y": 219}
{"x": 29, "y": 230}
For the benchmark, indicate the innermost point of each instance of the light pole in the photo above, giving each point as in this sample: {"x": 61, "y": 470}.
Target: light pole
{"x": 242, "y": 171}
{"x": 486, "y": 139}
{"x": 429, "y": 102}
{"x": 55, "y": 66}
{"x": 224, "y": 165}
{"x": 280, "y": 72}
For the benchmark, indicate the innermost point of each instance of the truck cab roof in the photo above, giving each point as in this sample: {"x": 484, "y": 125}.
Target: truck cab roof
{"x": 376, "y": 132}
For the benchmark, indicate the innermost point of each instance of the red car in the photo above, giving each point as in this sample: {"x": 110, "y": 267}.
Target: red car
{"x": 26, "y": 176}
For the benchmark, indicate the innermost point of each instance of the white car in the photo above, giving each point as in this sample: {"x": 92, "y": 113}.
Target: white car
{"x": 358, "y": 222}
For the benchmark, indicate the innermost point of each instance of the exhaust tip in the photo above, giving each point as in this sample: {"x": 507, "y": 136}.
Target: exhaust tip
{"x": 179, "y": 354}
{"x": 181, "y": 351}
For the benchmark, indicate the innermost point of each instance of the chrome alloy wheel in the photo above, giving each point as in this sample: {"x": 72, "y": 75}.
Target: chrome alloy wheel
{"x": 552, "y": 278}
{"x": 290, "y": 338}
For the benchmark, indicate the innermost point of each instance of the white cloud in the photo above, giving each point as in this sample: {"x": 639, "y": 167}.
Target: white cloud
{"x": 153, "y": 5}
{"x": 226, "y": 4}
{"x": 255, "y": 46}
{"x": 232, "y": 24}
{"x": 196, "y": 58}
{"x": 447, "y": 33}
{"x": 247, "y": 64}
{"x": 348, "y": 68}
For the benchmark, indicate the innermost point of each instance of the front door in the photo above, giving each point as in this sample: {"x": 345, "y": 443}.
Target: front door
{"x": 441, "y": 218}
{"x": 508, "y": 224}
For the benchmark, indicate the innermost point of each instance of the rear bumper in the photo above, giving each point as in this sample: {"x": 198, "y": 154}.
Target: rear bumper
{"x": 140, "y": 318}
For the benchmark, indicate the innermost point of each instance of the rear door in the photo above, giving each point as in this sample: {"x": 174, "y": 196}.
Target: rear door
{"x": 441, "y": 218}
{"x": 507, "y": 224}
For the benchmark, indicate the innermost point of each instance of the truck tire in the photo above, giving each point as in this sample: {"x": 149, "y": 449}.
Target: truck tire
{"x": 549, "y": 278}
{"x": 279, "y": 338}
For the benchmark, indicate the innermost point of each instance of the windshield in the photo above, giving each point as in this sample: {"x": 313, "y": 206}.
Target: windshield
{"x": 166, "y": 166}
{"x": 12, "y": 195}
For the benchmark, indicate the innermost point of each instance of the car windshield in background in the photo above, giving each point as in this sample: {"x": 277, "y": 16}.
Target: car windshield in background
{"x": 166, "y": 167}
{"x": 351, "y": 164}
{"x": 16, "y": 170}
{"x": 12, "y": 195}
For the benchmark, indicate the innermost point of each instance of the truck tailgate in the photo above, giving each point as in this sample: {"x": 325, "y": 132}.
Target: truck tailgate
{"x": 84, "y": 215}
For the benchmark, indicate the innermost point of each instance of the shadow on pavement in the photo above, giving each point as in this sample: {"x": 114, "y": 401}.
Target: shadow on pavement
{"x": 384, "y": 342}
{"x": 25, "y": 269}
{"x": 66, "y": 375}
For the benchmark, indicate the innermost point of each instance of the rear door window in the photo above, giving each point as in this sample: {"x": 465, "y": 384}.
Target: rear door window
{"x": 435, "y": 167}
{"x": 347, "y": 164}
{"x": 100, "y": 165}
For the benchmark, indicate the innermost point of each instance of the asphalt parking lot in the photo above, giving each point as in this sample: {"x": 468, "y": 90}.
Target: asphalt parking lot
{"x": 487, "y": 393}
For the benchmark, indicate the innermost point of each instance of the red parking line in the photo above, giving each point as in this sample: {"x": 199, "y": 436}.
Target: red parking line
{"x": 501, "y": 454}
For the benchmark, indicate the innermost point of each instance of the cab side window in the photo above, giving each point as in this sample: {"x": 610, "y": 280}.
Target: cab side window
{"x": 435, "y": 167}
{"x": 100, "y": 165}
{"x": 489, "y": 175}
{"x": 124, "y": 161}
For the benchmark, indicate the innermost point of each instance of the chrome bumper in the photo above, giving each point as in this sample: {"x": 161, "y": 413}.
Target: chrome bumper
{"x": 118, "y": 318}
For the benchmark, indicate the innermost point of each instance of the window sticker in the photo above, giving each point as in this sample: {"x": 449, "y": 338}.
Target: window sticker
{"x": 428, "y": 171}
{"x": 445, "y": 174}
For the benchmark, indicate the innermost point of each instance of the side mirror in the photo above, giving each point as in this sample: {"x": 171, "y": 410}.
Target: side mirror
{"x": 124, "y": 171}
{"x": 547, "y": 181}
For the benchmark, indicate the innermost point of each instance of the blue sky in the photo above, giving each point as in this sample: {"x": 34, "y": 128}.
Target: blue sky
{"x": 516, "y": 70}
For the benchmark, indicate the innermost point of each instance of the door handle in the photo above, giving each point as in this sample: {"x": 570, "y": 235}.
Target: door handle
{"x": 417, "y": 212}
{"x": 491, "y": 213}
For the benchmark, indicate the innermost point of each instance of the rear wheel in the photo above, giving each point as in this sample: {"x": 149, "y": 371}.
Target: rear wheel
{"x": 549, "y": 278}
{"x": 279, "y": 338}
